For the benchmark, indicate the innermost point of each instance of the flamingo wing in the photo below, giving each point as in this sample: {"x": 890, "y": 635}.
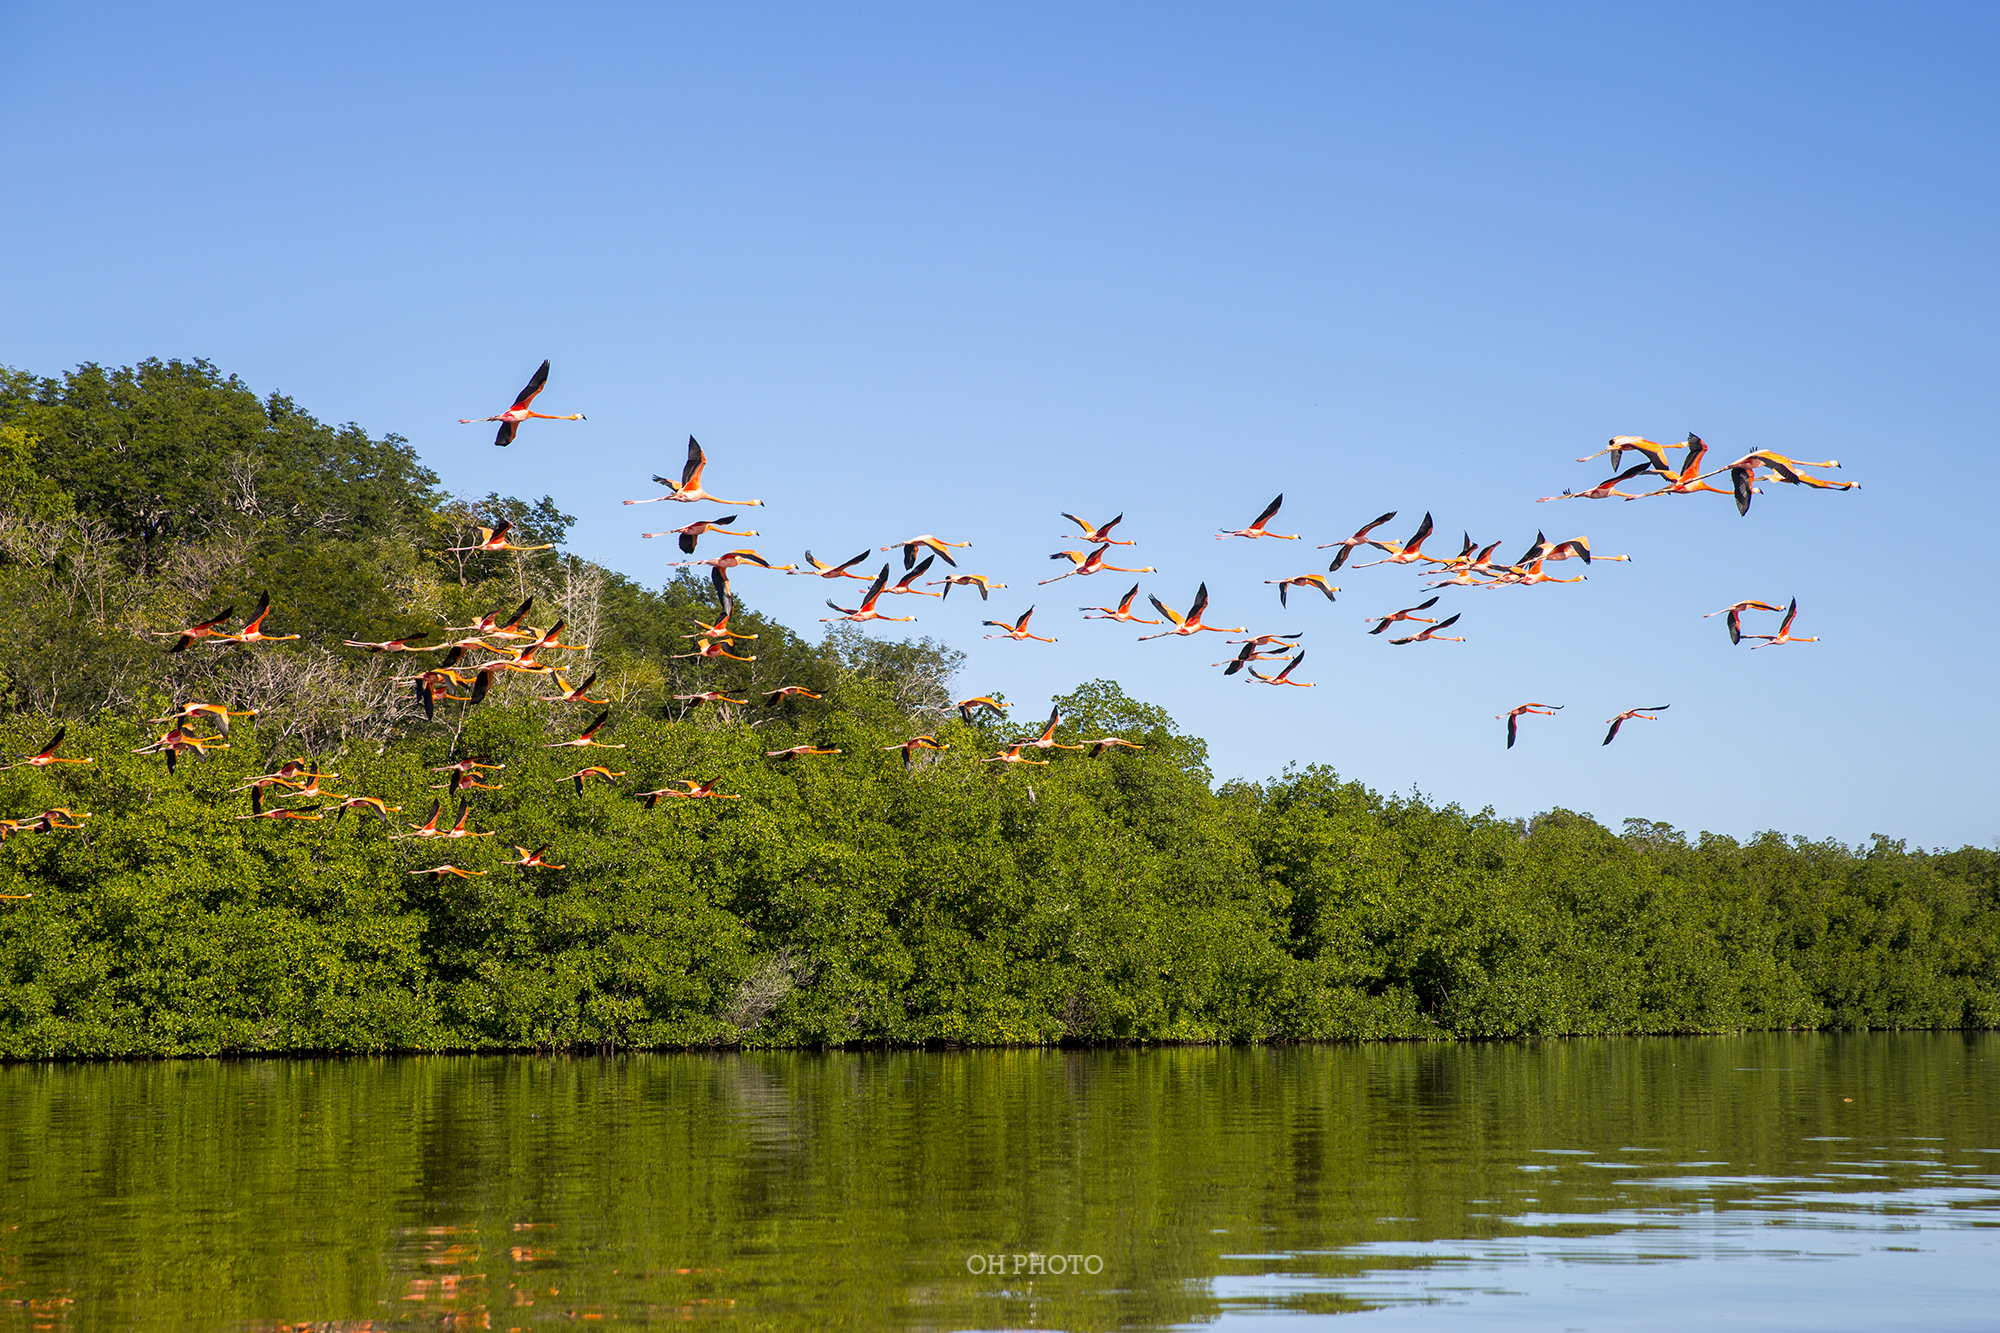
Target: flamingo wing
{"x": 1200, "y": 603}
{"x": 1513, "y": 725}
{"x": 1270, "y": 512}
{"x": 536, "y": 383}
{"x": 696, "y": 461}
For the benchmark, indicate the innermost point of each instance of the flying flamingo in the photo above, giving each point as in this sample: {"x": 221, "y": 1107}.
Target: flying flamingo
{"x": 460, "y": 782}
{"x": 459, "y": 766}
{"x": 1627, "y": 715}
{"x": 1281, "y": 677}
{"x": 566, "y": 694}
{"x": 1191, "y": 622}
{"x": 915, "y": 743}
{"x": 796, "y": 752}
{"x": 693, "y": 532}
{"x": 284, "y": 812}
{"x": 1250, "y": 652}
{"x": 195, "y": 633}
{"x": 1578, "y": 548}
{"x": 1784, "y": 634}
{"x": 731, "y": 559}
{"x": 1360, "y": 538}
{"x": 1407, "y": 613}
{"x": 694, "y": 791}
{"x": 406, "y": 645}
{"x": 1743, "y": 475}
{"x": 1096, "y": 536}
{"x": 1735, "y": 612}
{"x": 375, "y": 803}
{"x": 821, "y": 569}
{"x": 706, "y": 697}
{"x": 783, "y": 692}
{"x": 533, "y": 859}
{"x": 1257, "y": 529}
{"x": 180, "y": 739}
{"x": 937, "y": 544}
{"x": 720, "y": 629}
{"x": 510, "y": 420}
{"x": 1091, "y": 564}
{"x": 1098, "y": 747}
{"x": 1403, "y": 553}
{"x": 1304, "y": 581}
{"x": 1654, "y": 452}
{"x": 688, "y": 489}
{"x": 1047, "y": 740}
{"x": 429, "y": 828}
{"x": 443, "y": 870}
{"x": 459, "y": 830}
{"x": 47, "y": 754}
{"x": 1432, "y": 634}
{"x": 979, "y": 581}
{"x": 1605, "y": 489}
{"x": 1012, "y": 755}
{"x": 967, "y": 707}
{"x": 1514, "y": 715}
{"x": 588, "y": 738}
{"x": 1688, "y": 480}
{"x": 1016, "y": 631}
{"x": 490, "y": 624}
{"x": 581, "y": 774}
{"x": 866, "y": 611}
{"x": 495, "y": 539}
{"x": 712, "y": 648}
{"x": 908, "y": 581}
{"x": 1122, "y": 612}
{"x": 252, "y": 631}
{"x": 1533, "y": 575}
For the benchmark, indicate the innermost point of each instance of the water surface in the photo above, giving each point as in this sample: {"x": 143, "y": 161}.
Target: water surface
{"x": 1772, "y": 1181}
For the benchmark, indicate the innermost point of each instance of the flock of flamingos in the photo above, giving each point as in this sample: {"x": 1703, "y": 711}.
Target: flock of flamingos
{"x": 513, "y": 646}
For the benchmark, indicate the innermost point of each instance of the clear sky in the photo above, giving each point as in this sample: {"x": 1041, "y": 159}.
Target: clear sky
{"x": 954, "y": 269}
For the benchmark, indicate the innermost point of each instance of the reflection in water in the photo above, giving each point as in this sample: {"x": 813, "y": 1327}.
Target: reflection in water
{"x": 1626, "y": 1182}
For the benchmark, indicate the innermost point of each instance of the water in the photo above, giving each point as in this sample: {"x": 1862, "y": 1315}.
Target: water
{"x": 1777, "y": 1181}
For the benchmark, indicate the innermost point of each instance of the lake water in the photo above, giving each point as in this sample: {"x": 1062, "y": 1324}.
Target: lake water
{"x": 1779, "y": 1181}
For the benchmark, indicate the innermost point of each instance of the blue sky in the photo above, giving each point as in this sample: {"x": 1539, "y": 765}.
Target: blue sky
{"x": 937, "y": 269}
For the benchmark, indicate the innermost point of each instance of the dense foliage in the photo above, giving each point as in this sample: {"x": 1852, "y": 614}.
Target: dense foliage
{"x": 840, "y": 899}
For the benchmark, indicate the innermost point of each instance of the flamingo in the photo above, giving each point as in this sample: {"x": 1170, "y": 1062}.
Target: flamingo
{"x": 1099, "y": 536}
{"x": 720, "y": 629}
{"x": 1628, "y": 715}
{"x": 1743, "y": 475}
{"x": 1098, "y": 747}
{"x": 195, "y": 633}
{"x": 1463, "y": 560}
{"x": 48, "y": 822}
{"x": 1784, "y": 634}
{"x": 1735, "y": 612}
{"x": 405, "y": 645}
{"x": 688, "y": 489}
{"x": 907, "y": 582}
{"x": 783, "y": 692}
{"x": 967, "y": 707}
{"x": 1605, "y": 489}
{"x": 458, "y": 766}
{"x": 1017, "y": 631}
{"x": 937, "y": 544}
{"x": 915, "y": 743}
{"x": 1304, "y": 581}
{"x": 1257, "y": 529}
{"x": 533, "y": 859}
{"x": 1578, "y": 548}
{"x": 694, "y": 791}
{"x": 1280, "y": 678}
{"x": 1688, "y": 480}
{"x": 459, "y": 830}
{"x": 285, "y": 776}
{"x": 180, "y": 739}
{"x": 1514, "y": 715}
{"x": 1403, "y": 553}
{"x": 1047, "y": 740}
{"x": 979, "y": 581}
{"x": 796, "y": 752}
{"x": 443, "y": 870}
{"x": 1360, "y": 538}
{"x": 427, "y": 829}
{"x": 866, "y": 611}
{"x": 47, "y": 754}
{"x": 1122, "y": 612}
{"x": 566, "y": 694}
{"x": 252, "y": 631}
{"x": 490, "y": 624}
{"x": 693, "y": 532}
{"x": 510, "y": 420}
{"x": 821, "y": 569}
{"x": 712, "y": 648}
{"x": 1432, "y": 634}
{"x": 283, "y": 812}
{"x": 1533, "y": 574}
{"x": 710, "y": 697}
{"x": 461, "y": 782}
{"x": 375, "y": 803}
{"x": 1191, "y": 622}
{"x": 1091, "y": 564}
{"x": 1012, "y": 755}
{"x": 1250, "y": 651}
{"x": 219, "y": 714}
{"x": 595, "y": 771}
{"x": 731, "y": 559}
{"x": 495, "y": 539}
{"x": 1407, "y": 613}
{"x": 1654, "y": 452}
{"x": 588, "y": 738}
